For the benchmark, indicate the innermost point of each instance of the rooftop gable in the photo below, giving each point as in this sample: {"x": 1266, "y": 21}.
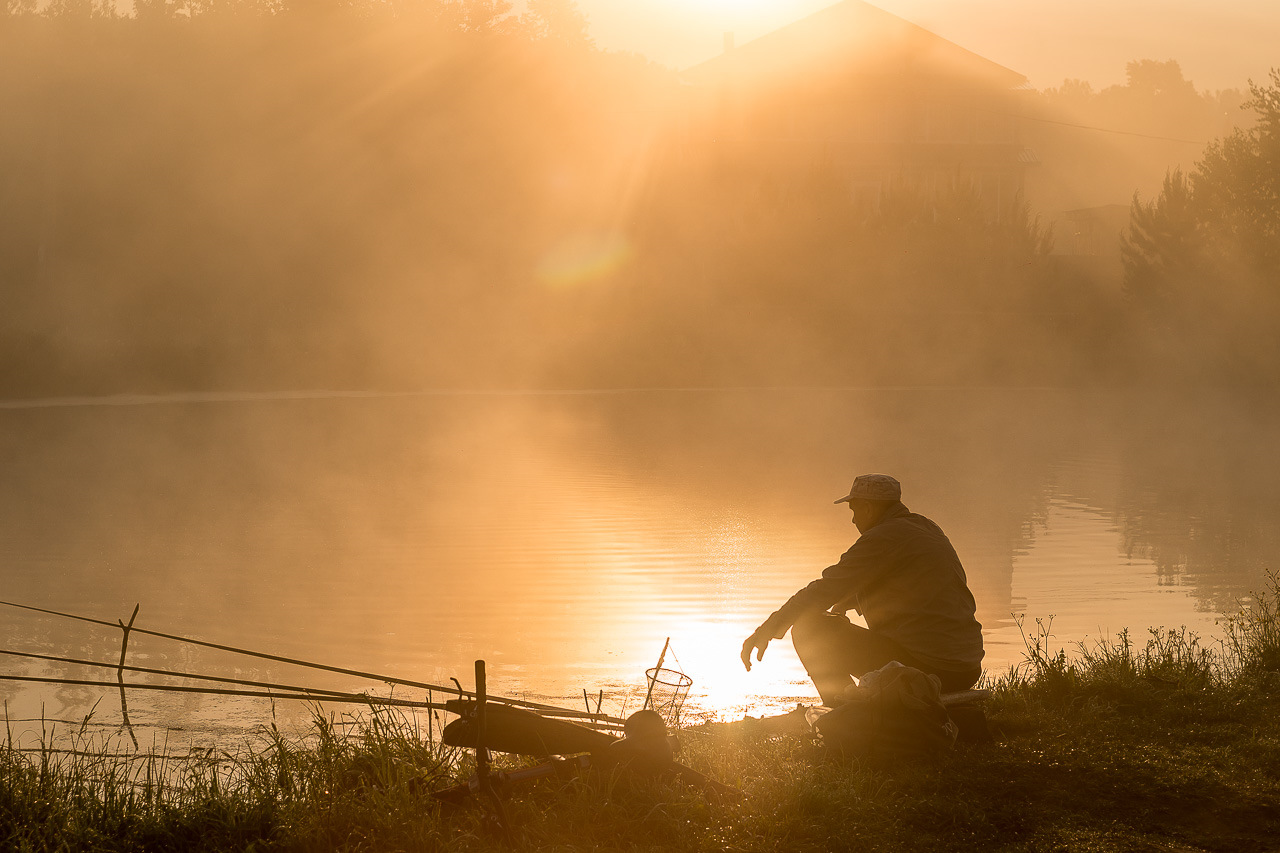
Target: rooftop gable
{"x": 849, "y": 36}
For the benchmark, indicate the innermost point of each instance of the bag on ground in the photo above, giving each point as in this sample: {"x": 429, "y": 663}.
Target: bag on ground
{"x": 895, "y": 712}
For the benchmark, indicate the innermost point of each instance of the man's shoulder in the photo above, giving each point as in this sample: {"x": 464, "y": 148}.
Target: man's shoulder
{"x": 909, "y": 519}
{"x": 909, "y": 525}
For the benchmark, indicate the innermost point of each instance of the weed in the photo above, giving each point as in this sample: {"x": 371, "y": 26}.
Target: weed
{"x": 1170, "y": 744}
{"x": 1252, "y": 638}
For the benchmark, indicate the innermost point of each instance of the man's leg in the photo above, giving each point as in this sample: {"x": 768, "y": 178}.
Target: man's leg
{"x": 832, "y": 649}
{"x": 955, "y": 682}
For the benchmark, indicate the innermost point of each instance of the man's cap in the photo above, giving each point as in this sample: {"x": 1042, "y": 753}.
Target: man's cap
{"x": 873, "y": 487}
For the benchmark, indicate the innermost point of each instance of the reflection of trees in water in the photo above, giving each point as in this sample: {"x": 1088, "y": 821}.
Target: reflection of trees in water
{"x": 979, "y": 462}
{"x": 1190, "y": 481}
{"x": 1201, "y": 494}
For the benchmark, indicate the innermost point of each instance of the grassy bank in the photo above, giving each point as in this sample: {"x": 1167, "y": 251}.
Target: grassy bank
{"x": 1162, "y": 744}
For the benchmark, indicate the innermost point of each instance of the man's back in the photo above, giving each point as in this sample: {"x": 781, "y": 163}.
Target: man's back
{"x": 907, "y": 581}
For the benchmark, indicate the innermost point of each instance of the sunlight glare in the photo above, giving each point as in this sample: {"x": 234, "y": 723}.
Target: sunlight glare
{"x": 722, "y": 689}
{"x": 584, "y": 257}
{"x": 732, "y": 6}
{"x": 731, "y": 12}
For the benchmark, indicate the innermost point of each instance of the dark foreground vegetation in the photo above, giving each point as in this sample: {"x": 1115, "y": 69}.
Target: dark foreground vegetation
{"x": 1162, "y": 745}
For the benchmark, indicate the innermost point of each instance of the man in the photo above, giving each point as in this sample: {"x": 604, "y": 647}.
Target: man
{"x": 905, "y": 579}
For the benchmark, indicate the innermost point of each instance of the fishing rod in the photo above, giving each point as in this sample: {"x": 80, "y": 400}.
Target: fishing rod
{"x": 162, "y": 757}
{"x": 549, "y": 710}
{"x": 332, "y": 696}
{"x": 193, "y": 676}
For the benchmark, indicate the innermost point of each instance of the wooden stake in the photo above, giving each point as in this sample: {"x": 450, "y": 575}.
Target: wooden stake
{"x": 124, "y": 648}
{"x": 482, "y": 748}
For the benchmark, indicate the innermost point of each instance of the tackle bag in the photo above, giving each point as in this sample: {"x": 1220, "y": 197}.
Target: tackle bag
{"x": 895, "y": 712}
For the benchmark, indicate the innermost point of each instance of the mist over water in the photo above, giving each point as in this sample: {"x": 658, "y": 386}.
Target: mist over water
{"x": 563, "y": 538}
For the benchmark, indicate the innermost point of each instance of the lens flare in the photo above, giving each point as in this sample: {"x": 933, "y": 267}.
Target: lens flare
{"x": 584, "y": 257}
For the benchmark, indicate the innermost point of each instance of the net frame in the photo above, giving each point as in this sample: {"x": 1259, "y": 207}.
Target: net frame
{"x": 668, "y": 689}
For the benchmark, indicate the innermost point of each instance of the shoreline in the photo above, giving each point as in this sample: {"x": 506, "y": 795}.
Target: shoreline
{"x": 1163, "y": 745}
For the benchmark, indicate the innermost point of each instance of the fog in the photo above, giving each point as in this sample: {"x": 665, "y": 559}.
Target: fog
{"x": 563, "y": 537}
{"x": 1219, "y": 45}
{"x": 222, "y": 207}
{"x": 402, "y": 198}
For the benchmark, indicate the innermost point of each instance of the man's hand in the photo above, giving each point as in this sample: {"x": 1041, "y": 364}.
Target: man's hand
{"x": 757, "y": 642}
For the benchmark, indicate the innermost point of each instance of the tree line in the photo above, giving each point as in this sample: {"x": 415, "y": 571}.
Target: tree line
{"x": 558, "y": 19}
{"x": 448, "y": 193}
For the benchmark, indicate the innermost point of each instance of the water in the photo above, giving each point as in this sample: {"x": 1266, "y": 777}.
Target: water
{"x": 564, "y": 537}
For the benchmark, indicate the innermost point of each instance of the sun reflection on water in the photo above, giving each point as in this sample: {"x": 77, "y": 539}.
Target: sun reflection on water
{"x": 708, "y": 651}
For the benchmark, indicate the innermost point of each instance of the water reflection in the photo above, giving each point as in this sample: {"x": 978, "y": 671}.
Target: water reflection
{"x": 564, "y": 538}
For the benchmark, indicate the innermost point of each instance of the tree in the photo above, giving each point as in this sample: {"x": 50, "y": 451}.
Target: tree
{"x": 20, "y": 8}
{"x": 558, "y": 20}
{"x": 1163, "y": 251}
{"x": 72, "y": 9}
{"x": 1149, "y": 77}
{"x": 1159, "y": 117}
{"x": 1237, "y": 184}
{"x": 1202, "y": 259}
{"x": 475, "y": 16}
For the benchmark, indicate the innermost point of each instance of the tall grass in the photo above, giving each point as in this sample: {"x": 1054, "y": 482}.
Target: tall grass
{"x": 1167, "y": 658}
{"x": 1252, "y": 640}
{"x": 1167, "y": 743}
{"x": 1247, "y": 657}
{"x": 362, "y": 782}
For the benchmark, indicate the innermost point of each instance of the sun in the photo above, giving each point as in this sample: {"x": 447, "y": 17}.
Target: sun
{"x": 732, "y": 5}
{"x": 681, "y": 33}
{"x": 728, "y": 10}
{"x": 748, "y": 19}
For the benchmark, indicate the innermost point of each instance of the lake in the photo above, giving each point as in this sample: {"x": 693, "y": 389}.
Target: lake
{"x": 563, "y": 537}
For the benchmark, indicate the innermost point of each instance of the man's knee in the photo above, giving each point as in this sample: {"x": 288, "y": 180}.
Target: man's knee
{"x": 816, "y": 628}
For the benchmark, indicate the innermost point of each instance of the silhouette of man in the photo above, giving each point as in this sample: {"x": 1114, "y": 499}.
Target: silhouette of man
{"x": 905, "y": 579}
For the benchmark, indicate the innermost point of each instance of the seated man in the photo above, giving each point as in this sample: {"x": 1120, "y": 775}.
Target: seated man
{"x": 905, "y": 579}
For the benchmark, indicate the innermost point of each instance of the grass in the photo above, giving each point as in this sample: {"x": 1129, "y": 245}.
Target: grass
{"x": 1166, "y": 745}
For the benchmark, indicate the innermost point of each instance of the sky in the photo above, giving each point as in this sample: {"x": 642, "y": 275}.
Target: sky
{"x": 1219, "y": 44}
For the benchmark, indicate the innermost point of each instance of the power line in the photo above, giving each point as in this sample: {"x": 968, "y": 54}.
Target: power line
{"x": 1100, "y": 129}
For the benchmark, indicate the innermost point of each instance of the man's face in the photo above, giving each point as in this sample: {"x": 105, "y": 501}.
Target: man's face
{"x": 864, "y": 514}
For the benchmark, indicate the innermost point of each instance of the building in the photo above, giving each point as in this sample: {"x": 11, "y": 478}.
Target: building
{"x": 855, "y": 96}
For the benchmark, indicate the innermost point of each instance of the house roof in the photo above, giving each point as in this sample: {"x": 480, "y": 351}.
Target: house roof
{"x": 849, "y": 36}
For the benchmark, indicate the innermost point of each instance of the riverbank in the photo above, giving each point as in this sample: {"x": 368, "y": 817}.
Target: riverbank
{"x": 1157, "y": 744}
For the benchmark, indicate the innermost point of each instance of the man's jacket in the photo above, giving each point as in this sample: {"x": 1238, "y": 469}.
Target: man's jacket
{"x": 905, "y": 579}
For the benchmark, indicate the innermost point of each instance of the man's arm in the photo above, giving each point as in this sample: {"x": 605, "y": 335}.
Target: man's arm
{"x": 837, "y": 586}
{"x": 819, "y": 595}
